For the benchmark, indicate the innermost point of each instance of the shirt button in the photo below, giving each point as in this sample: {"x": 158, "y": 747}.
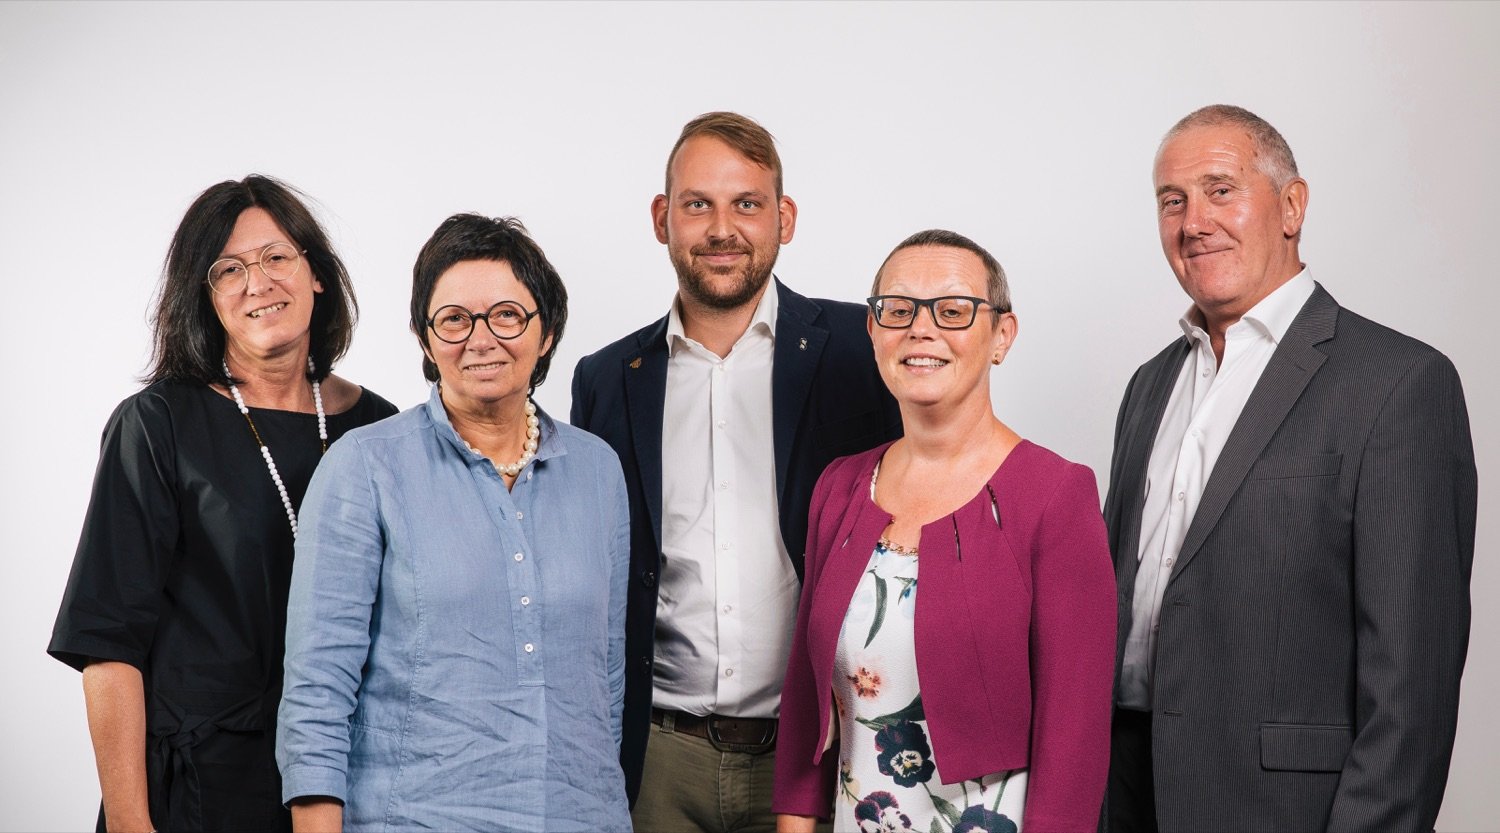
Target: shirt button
{"x": 1181, "y": 496}
{"x": 722, "y": 423}
{"x": 520, "y": 515}
{"x": 525, "y": 600}
{"x": 520, "y": 557}
{"x": 530, "y": 647}
{"x": 1205, "y": 374}
{"x": 728, "y": 608}
{"x": 729, "y": 672}
{"x": 1169, "y": 560}
{"x": 723, "y": 484}
{"x": 725, "y": 545}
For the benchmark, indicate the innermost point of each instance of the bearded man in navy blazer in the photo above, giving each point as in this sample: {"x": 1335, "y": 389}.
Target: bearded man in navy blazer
{"x": 724, "y": 413}
{"x": 1291, "y": 509}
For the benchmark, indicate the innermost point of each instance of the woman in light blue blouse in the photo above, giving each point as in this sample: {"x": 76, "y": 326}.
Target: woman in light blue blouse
{"x": 455, "y": 637}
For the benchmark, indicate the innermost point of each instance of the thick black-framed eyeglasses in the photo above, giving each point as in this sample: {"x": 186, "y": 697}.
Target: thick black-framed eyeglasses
{"x": 949, "y": 312}
{"x": 506, "y": 320}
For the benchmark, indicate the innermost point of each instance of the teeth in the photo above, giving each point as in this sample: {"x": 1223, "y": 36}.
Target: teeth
{"x": 490, "y": 366}
{"x": 924, "y": 362}
{"x": 263, "y": 310}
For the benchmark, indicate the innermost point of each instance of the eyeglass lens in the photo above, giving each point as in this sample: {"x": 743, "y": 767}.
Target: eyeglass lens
{"x": 454, "y": 324}
{"x": 949, "y": 313}
{"x": 278, "y": 261}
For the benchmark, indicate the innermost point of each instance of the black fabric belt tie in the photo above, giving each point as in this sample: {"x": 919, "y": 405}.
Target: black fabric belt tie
{"x": 727, "y": 734}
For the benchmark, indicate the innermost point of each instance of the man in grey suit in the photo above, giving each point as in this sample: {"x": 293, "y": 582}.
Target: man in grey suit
{"x": 1291, "y": 509}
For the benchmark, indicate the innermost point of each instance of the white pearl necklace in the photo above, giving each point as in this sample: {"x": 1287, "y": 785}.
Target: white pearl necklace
{"x": 286, "y": 502}
{"x": 528, "y": 451}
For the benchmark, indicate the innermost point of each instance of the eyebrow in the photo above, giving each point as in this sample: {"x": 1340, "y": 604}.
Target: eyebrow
{"x": 692, "y": 194}
{"x": 1206, "y": 179}
{"x": 254, "y": 249}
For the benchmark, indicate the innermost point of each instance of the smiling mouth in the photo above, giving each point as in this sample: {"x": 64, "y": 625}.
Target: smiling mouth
{"x": 256, "y": 313}
{"x": 483, "y": 367}
{"x": 924, "y": 361}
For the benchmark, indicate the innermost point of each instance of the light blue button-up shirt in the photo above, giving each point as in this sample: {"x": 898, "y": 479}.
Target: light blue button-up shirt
{"x": 455, "y": 650}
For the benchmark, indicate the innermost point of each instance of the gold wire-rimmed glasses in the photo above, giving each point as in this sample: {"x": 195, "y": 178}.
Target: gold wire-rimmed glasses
{"x": 231, "y": 275}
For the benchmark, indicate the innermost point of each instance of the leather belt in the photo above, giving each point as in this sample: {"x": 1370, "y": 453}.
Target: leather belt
{"x": 727, "y": 734}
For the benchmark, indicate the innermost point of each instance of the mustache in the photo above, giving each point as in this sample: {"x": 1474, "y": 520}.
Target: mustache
{"x": 721, "y": 249}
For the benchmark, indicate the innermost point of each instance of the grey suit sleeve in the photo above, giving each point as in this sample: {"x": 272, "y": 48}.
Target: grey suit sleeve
{"x": 1413, "y": 538}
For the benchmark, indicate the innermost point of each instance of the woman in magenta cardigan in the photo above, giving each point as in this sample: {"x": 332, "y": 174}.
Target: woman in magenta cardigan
{"x": 985, "y": 706}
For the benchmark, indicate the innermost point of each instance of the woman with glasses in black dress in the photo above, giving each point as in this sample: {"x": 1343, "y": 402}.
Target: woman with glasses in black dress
{"x": 175, "y": 610}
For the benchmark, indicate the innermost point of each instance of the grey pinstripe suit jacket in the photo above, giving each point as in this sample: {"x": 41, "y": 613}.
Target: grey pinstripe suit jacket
{"x": 1315, "y": 625}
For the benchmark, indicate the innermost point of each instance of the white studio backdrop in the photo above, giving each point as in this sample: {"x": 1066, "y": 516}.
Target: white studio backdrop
{"x": 1031, "y": 128}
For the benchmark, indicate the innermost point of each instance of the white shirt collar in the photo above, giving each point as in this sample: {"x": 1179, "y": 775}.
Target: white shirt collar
{"x": 762, "y": 321}
{"x": 1272, "y": 317}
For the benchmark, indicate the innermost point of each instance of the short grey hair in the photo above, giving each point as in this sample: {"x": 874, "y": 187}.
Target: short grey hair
{"x": 998, "y": 288}
{"x": 1273, "y": 156}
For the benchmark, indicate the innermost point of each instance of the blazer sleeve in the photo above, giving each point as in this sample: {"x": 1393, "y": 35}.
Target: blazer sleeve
{"x": 1413, "y": 537}
{"x": 578, "y": 415}
{"x": 1072, "y": 660}
{"x": 801, "y": 787}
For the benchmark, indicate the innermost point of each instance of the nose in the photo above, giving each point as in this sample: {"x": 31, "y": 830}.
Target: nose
{"x": 482, "y": 338}
{"x": 1197, "y": 218}
{"x": 721, "y": 225}
{"x": 256, "y": 279}
{"x": 923, "y": 326}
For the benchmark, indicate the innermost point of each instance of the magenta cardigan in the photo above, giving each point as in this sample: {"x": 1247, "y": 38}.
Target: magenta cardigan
{"x": 1015, "y": 635}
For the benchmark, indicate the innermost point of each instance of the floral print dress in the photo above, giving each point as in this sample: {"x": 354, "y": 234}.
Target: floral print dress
{"x": 888, "y": 776}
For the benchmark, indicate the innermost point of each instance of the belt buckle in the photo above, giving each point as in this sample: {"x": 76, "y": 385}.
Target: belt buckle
{"x": 767, "y": 741}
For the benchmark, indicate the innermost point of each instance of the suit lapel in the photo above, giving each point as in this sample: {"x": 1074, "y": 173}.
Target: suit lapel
{"x": 645, "y": 400}
{"x": 1281, "y": 384}
{"x": 1140, "y": 437}
{"x": 799, "y": 345}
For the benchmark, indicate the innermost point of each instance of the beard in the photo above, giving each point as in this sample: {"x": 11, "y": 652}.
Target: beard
{"x": 723, "y": 287}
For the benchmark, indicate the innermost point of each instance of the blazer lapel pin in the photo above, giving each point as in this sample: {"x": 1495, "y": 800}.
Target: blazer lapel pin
{"x": 635, "y": 363}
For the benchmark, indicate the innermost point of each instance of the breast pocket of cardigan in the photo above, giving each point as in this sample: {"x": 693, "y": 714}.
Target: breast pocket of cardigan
{"x": 1300, "y": 466}
{"x": 1304, "y": 747}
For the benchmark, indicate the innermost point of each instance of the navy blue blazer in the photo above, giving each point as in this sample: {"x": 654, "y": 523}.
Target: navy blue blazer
{"x": 827, "y": 400}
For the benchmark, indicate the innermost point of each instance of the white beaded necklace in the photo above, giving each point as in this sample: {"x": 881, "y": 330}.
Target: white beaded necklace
{"x": 528, "y": 451}
{"x": 286, "y": 502}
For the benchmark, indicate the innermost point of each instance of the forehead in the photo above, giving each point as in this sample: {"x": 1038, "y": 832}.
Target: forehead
{"x": 1207, "y": 151}
{"x": 255, "y": 228}
{"x": 926, "y": 271}
{"x": 707, "y": 162}
{"x": 478, "y": 285}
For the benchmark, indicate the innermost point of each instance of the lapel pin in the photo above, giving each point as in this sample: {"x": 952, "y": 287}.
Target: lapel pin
{"x": 636, "y": 363}
{"x": 802, "y": 344}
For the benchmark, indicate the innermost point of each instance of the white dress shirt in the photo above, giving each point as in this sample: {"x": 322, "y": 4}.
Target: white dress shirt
{"x": 727, "y": 597}
{"x": 1206, "y": 402}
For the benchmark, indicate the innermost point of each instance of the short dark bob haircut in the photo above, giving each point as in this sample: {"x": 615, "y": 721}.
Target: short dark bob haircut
{"x": 476, "y": 237}
{"x": 188, "y": 342}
